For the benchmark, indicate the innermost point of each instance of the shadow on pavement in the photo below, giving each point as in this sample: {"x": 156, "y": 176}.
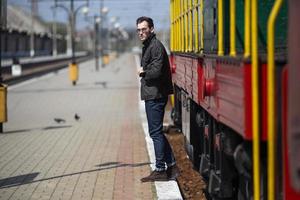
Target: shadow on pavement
{"x": 17, "y": 180}
{"x": 28, "y": 130}
{"x": 29, "y": 178}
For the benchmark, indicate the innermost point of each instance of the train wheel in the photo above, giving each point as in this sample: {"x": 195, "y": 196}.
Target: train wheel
{"x": 243, "y": 163}
{"x": 245, "y": 190}
{"x": 176, "y": 110}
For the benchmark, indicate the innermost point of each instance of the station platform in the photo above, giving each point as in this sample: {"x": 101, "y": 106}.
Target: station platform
{"x": 79, "y": 142}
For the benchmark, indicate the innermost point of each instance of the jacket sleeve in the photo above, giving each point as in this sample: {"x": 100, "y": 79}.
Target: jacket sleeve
{"x": 154, "y": 68}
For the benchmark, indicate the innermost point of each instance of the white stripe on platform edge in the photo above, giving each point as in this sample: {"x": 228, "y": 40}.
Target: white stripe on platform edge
{"x": 165, "y": 190}
{"x": 38, "y": 78}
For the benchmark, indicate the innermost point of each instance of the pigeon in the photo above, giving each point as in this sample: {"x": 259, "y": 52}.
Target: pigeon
{"x": 103, "y": 83}
{"x": 59, "y": 120}
{"x": 76, "y": 117}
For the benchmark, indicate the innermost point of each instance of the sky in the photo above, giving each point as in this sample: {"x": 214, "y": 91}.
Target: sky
{"x": 127, "y": 11}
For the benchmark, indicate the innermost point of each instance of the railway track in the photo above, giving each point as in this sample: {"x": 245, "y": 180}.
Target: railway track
{"x": 38, "y": 68}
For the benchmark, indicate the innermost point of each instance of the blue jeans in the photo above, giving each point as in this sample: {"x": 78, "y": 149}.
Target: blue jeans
{"x": 155, "y": 110}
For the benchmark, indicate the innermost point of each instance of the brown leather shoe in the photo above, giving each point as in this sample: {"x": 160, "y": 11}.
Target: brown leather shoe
{"x": 172, "y": 172}
{"x": 156, "y": 176}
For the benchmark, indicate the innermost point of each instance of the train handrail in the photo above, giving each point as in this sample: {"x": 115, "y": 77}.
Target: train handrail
{"x": 190, "y": 22}
{"x": 181, "y": 25}
{"x": 271, "y": 110}
{"x": 232, "y": 28}
{"x": 185, "y": 12}
{"x": 220, "y": 28}
{"x": 255, "y": 102}
{"x": 173, "y": 24}
{"x": 247, "y": 29}
{"x": 201, "y": 26}
{"x": 196, "y": 27}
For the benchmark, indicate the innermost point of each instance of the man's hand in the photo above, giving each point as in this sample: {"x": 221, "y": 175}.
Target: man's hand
{"x": 141, "y": 72}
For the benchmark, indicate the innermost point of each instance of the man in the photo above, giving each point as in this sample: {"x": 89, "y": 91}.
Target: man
{"x": 156, "y": 85}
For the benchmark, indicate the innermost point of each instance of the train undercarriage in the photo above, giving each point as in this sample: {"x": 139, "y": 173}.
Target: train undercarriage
{"x": 218, "y": 153}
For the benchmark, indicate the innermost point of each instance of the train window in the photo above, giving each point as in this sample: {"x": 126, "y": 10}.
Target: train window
{"x": 215, "y": 20}
{"x": 240, "y": 28}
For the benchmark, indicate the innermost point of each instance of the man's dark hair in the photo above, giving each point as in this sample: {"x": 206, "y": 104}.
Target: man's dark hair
{"x": 147, "y": 19}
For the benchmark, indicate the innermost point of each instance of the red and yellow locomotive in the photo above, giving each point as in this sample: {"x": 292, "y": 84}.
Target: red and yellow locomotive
{"x": 235, "y": 71}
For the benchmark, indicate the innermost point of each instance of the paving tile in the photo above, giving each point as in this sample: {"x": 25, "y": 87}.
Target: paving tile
{"x": 101, "y": 156}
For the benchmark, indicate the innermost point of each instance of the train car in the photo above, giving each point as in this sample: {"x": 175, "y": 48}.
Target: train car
{"x": 16, "y": 44}
{"x": 236, "y": 94}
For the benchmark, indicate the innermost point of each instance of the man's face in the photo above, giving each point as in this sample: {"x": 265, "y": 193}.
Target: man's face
{"x": 143, "y": 30}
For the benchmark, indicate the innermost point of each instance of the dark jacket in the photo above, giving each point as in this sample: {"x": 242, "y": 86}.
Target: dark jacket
{"x": 157, "y": 80}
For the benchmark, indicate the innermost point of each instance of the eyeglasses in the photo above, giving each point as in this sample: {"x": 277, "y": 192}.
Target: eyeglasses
{"x": 143, "y": 30}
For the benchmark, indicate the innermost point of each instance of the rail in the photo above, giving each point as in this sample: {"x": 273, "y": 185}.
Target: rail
{"x": 255, "y": 102}
{"x": 247, "y": 29}
{"x": 39, "y": 66}
{"x": 220, "y": 28}
{"x": 271, "y": 110}
{"x": 232, "y": 28}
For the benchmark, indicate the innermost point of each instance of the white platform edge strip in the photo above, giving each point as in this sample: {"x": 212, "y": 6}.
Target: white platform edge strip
{"x": 38, "y": 78}
{"x": 165, "y": 190}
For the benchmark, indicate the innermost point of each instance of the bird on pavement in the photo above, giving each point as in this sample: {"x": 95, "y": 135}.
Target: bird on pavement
{"x": 76, "y": 117}
{"x": 59, "y": 120}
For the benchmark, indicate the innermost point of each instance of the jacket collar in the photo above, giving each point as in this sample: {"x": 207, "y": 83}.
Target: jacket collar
{"x": 147, "y": 42}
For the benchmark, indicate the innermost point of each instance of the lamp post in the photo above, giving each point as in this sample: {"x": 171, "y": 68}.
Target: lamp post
{"x": 103, "y": 13}
{"x": 54, "y": 32}
{"x": 3, "y": 88}
{"x": 110, "y": 30}
{"x": 3, "y": 20}
{"x": 73, "y": 68}
{"x": 33, "y": 15}
{"x": 73, "y": 24}
{"x": 97, "y": 21}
